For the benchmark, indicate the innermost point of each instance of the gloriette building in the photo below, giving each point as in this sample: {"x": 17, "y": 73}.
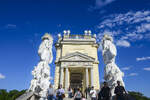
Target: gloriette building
{"x": 76, "y": 61}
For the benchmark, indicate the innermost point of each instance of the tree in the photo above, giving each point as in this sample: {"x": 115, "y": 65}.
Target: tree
{"x": 11, "y": 95}
{"x": 138, "y": 95}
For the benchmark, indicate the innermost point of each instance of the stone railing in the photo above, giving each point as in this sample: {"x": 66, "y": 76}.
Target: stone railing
{"x": 77, "y": 36}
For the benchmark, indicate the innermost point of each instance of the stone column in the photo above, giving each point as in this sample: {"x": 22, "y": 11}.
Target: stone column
{"x": 91, "y": 77}
{"x": 57, "y": 76}
{"x": 87, "y": 77}
{"x": 66, "y": 79}
{"x": 61, "y": 75}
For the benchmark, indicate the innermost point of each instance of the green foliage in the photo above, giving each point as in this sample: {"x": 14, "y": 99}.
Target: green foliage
{"x": 138, "y": 95}
{"x": 11, "y": 95}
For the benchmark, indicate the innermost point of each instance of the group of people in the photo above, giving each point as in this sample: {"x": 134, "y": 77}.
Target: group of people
{"x": 90, "y": 92}
{"x": 105, "y": 93}
{"x": 59, "y": 94}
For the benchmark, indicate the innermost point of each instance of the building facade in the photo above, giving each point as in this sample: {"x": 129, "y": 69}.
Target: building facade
{"x": 76, "y": 61}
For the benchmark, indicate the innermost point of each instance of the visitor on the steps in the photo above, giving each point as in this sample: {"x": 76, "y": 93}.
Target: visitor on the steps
{"x": 50, "y": 92}
{"x": 78, "y": 95}
{"x": 86, "y": 92}
{"x": 120, "y": 91}
{"x": 70, "y": 92}
{"x": 89, "y": 89}
{"x": 105, "y": 93}
{"x": 60, "y": 93}
{"x": 93, "y": 93}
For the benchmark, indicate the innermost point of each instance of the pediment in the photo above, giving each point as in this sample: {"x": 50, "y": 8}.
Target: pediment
{"x": 77, "y": 56}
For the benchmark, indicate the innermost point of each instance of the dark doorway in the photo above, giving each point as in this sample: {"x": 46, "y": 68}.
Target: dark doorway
{"x": 76, "y": 80}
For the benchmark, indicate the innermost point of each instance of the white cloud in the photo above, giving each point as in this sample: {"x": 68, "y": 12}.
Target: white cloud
{"x": 2, "y": 76}
{"x": 147, "y": 68}
{"x": 126, "y": 68}
{"x": 143, "y": 28}
{"x": 142, "y": 58}
{"x": 132, "y": 37}
{"x": 127, "y": 18}
{"x": 123, "y": 43}
{"x": 101, "y": 3}
{"x": 133, "y": 74}
{"x": 126, "y": 27}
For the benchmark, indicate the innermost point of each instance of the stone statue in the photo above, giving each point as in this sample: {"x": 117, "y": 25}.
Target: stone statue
{"x": 45, "y": 49}
{"x": 112, "y": 73}
{"x": 41, "y": 73}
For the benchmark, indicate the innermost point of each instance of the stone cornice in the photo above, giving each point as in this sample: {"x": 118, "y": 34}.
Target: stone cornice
{"x": 77, "y": 67}
{"x": 95, "y": 45}
{"x": 73, "y": 64}
{"x": 79, "y": 40}
{"x": 96, "y": 62}
{"x": 57, "y": 62}
{"x": 78, "y": 43}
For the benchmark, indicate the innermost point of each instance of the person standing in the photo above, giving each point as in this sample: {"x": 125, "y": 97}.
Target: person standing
{"x": 93, "y": 93}
{"x": 50, "y": 92}
{"x": 105, "y": 93}
{"x": 60, "y": 93}
{"x": 86, "y": 92}
{"x": 74, "y": 91}
{"x": 78, "y": 95}
{"x": 89, "y": 89}
{"x": 70, "y": 92}
{"x": 120, "y": 91}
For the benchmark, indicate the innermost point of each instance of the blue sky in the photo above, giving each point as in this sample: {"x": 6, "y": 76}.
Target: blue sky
{"x": 23, "y": 22}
